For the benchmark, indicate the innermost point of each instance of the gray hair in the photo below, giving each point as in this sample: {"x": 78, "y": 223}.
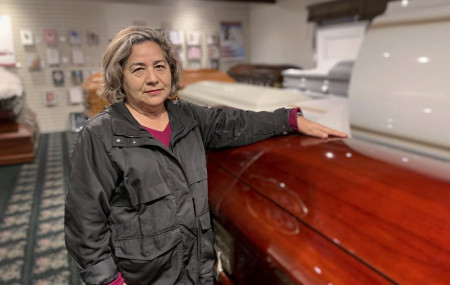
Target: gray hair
{"x": 118, "y": 51}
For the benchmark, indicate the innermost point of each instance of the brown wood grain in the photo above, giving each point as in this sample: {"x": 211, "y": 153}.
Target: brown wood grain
{"x": 349, "y": 218}
{"x": 190, "y": 76}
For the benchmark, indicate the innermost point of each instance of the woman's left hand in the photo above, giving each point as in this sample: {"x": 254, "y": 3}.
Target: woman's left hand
{"x": 314, "y": 129}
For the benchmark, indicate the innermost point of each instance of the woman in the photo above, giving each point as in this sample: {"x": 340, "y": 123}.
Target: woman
{"x": 137, "y": 206}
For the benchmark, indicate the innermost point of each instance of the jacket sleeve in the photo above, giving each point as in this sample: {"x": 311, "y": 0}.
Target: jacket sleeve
{"x": 227, "y": 127}
{"x": 91, "y": 181}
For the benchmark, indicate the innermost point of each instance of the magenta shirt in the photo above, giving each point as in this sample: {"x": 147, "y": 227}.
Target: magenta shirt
{"x": 118, "y": 281}
{"x": 163, "y": 136}
{"x": 293, "y": 118}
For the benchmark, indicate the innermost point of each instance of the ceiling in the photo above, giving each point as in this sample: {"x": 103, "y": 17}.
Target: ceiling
{"x": 184, "y": 2}
{"x": 248, "y": 1}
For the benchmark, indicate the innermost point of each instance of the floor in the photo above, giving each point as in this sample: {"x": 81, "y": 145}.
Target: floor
{"x": 32, "y": 249}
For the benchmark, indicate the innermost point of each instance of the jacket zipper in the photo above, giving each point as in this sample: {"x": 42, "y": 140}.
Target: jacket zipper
{"x": 169, "y": 151}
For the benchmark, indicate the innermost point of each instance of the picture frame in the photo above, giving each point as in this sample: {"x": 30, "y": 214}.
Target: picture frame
{"x": 26, "y": 37}
{"x": 194, "y": 53}
{"x": 33, "y": 61}
{"x": 214, "y": 52}
{"x": 177, "y": 37}
{"x": 52, "y": 56}
{"x": 77, "y": 77}
{"x": 75, "y": 37}
{"x": 51, "y": 98}
{"x": 92, "y": 38}
{"x": 213, "y": 38}
{"x": 194, "y": 38}
{"x": 58, "y": 77}
{"x": 76, "y": 95}
{"x": 231, "y": 40}
{"x": 78, "y": 57}
{"x": 50, "y": 37}
{"x": 77, "y": 121}
{"x": 7, "y": 54}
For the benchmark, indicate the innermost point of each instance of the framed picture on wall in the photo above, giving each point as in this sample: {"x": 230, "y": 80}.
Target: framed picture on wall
{"x": 212, "y": 39}
{"x": 75, "y": 95}
{"x": 77, "y": 121}
{"x": 77, "y": 57}
{"x": 177, "y": 37}
{"x": 26, "y": 37}
{"x": 33, "y": 61}
{"x": 50, "y": 37}
{"x": 92, "y": 38}
{"x": 214, "y": 52}
{"x": 75, "y": 37}
{"x": 194, "y": 53}
{"x": 52, "y": 56}
{"x": 77, "y": 77}
{"x": 194, "y": 38}
{"x": 7, "y": 55}
{"x": 231, "y": 40}
{"x": 58, "y": 77}
{"x": 51, "y": 98}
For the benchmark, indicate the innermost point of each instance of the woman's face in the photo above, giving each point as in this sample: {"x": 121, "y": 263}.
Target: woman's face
{"x": 147, "y": 79}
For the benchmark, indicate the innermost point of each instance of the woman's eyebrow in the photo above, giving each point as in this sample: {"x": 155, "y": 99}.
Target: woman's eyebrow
{"x": 159, "y": 61}
{"x": 143, "y": 64}
{"x": 137, "y": 63}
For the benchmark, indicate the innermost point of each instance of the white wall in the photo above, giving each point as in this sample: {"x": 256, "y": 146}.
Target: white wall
{"x": 281, "y": 34}
{"x": 105, "y": 18}
{"x": 273, "y": 33}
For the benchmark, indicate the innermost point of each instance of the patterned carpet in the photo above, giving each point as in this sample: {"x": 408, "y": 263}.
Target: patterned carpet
{"x": 32, "y": 247}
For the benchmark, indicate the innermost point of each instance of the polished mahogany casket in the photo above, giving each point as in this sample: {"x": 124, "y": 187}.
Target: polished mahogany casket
{"x": 370, "y": 209}
{"x": 299, "y": 210}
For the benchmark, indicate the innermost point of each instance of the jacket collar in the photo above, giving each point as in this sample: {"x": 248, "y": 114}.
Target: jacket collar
{"x": 123, "y": 123}
{"x": 180, "y": 122}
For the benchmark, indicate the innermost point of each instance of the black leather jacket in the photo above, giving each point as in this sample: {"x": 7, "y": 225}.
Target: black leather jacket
{"x": 140, "y": 208}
